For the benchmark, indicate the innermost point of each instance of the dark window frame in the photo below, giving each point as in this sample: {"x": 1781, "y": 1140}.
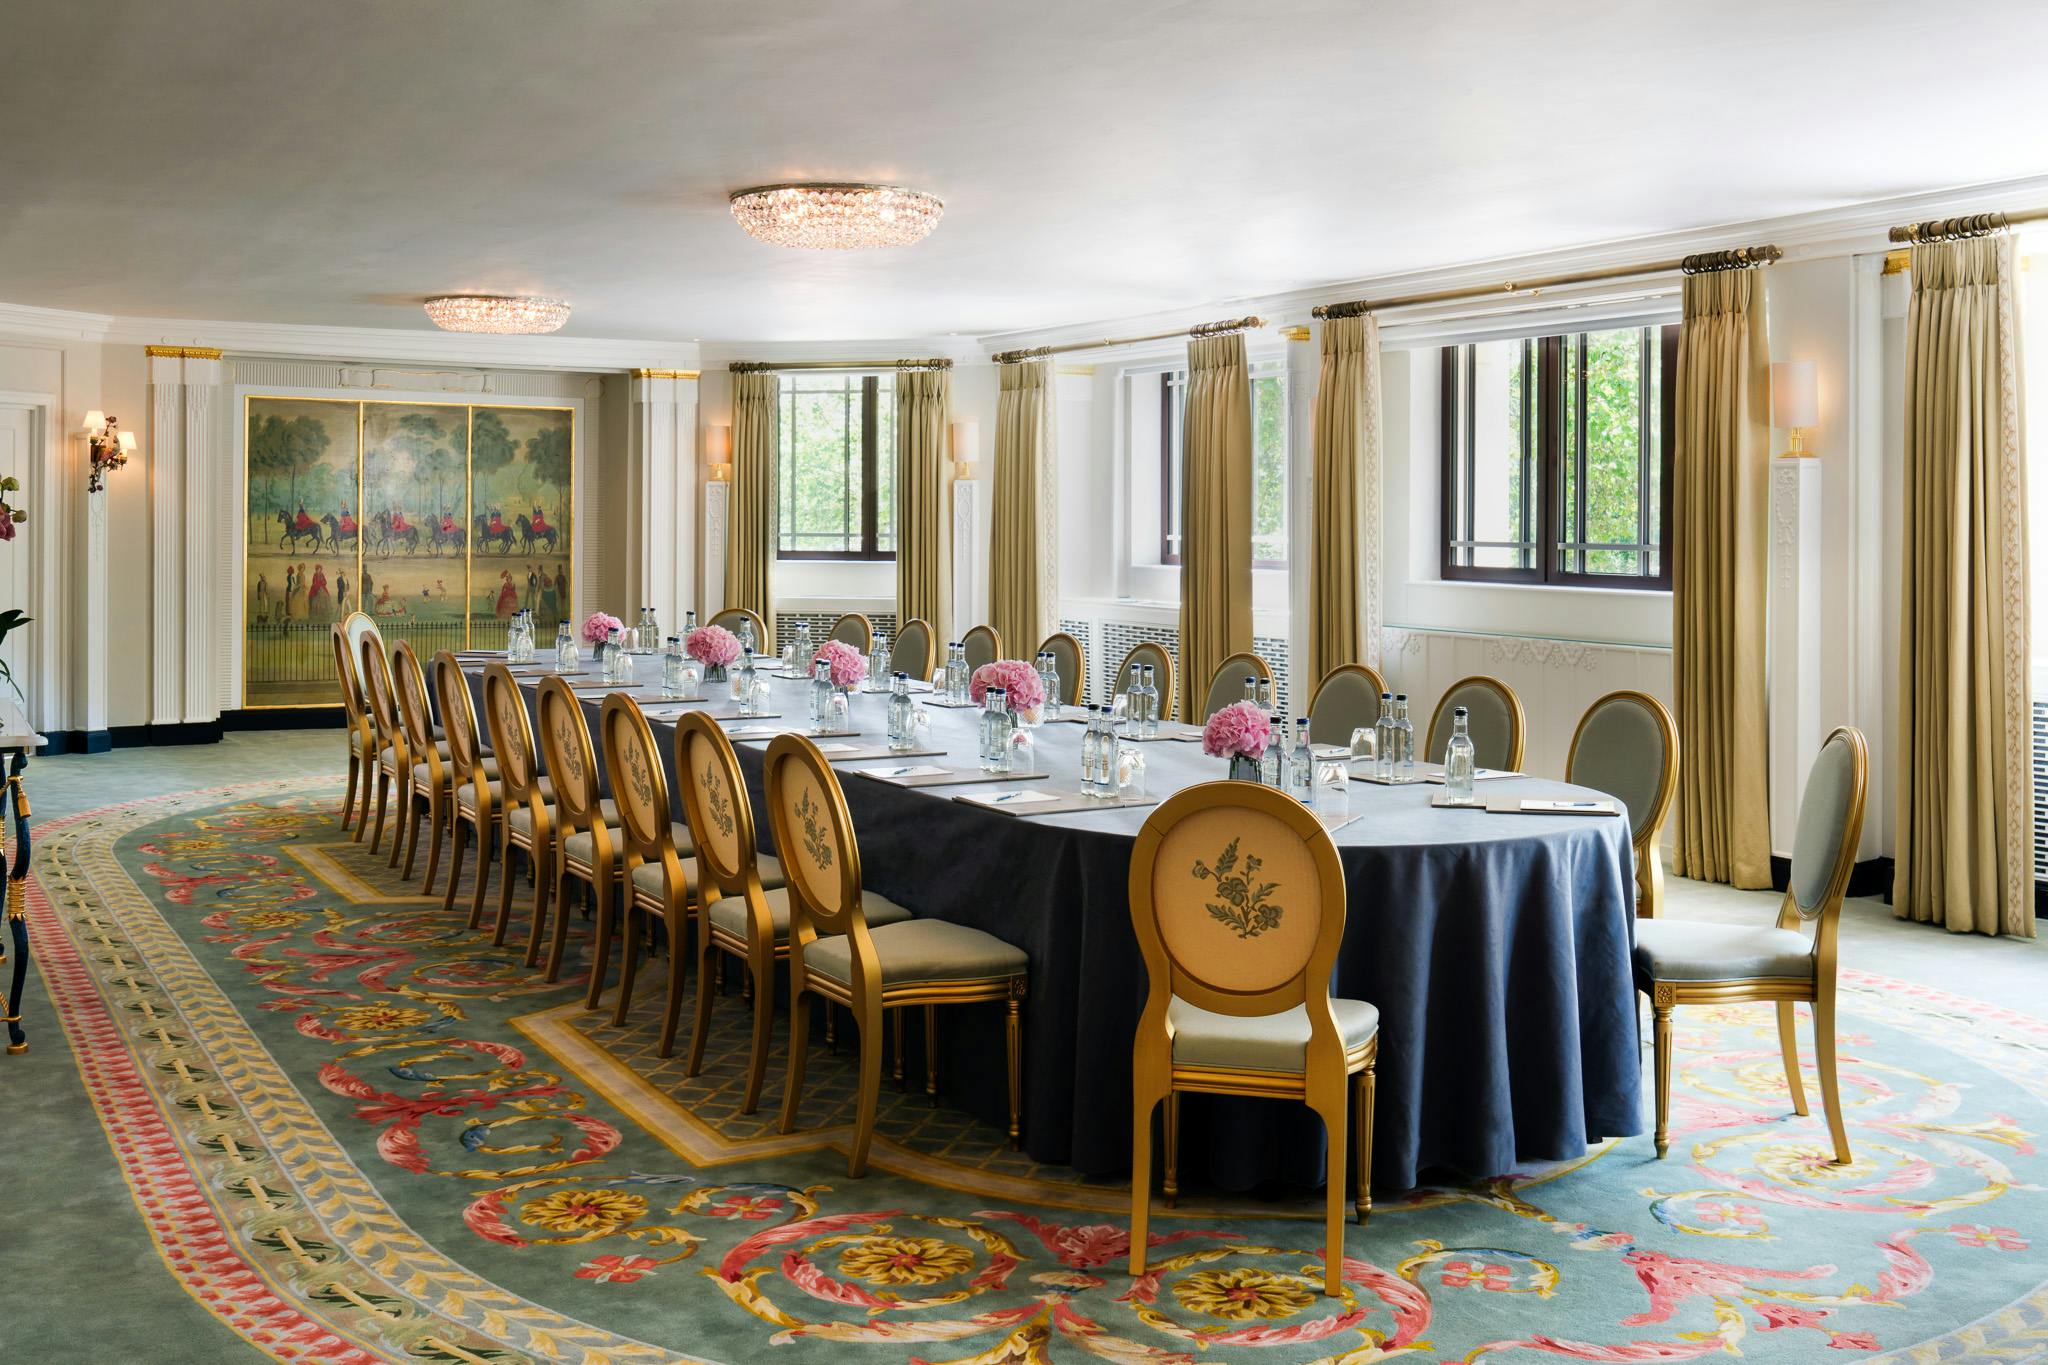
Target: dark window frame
{"x": 1543, "y": 459}
{"x": 870, "y": 511}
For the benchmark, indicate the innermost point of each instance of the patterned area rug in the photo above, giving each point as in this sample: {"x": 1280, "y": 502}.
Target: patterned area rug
{"x": 357, "y": 1131}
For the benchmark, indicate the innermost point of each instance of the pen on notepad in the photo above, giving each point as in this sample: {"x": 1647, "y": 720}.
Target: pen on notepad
{"x": 1006, "y": 796}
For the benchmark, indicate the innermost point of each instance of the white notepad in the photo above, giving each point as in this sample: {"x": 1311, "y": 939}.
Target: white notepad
{"x": 912, "y": 770}
{"x": 1016, "y": 798}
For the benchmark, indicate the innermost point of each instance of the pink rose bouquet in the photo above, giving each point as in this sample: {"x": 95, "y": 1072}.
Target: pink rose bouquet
{"x": 1239, "y": 730}
{"x": 600, "y": 626}
{"x": 1014, "y": 676}
{"x": 712, "y": 646}
{"x": 848, "y": 667}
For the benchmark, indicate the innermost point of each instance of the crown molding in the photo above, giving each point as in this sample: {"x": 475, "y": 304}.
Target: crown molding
{"x": 716, "y": 355}
{"x": 1845, "y": 230}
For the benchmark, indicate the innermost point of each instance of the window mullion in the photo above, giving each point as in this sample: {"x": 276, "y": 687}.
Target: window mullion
{"x": 1550, "y": 381}
{"x": 870, "y": 431}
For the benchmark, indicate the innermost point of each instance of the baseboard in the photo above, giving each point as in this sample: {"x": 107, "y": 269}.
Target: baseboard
{"x": 1871, "y": 877}
{"x": 284, "y": 718}
{"x": 78, "y": 742}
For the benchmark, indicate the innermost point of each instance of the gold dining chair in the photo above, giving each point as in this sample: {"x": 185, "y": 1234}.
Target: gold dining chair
{"x": 1071, "y": 662}
{"x": 1237, "y": 897}
{"x": 1346, "y": 699}
{"x": 916, "y": 650}
{"x": 1226, "y": 684}
{"x": 1494, "y": 720}
{"x": 731, "y": 617}
{"x": 661, "y": 872}
{"x": 430, "y": 794}
{"x": 1627, "y": 746}
{"x": 838, "y": 954}
{"x": 362, "y": 736}
{"x": 474, "y": 777}
{"x": 527, "y": 822}
{"x": 1148, "y": 652}
{"x": 854, "y": 629}
{"x": 983, "y": 645}
{"x": 745, "y": 904}
{"x": 587, "y": 842}
{"x": 393, "y": 769}
{"x": 1693, "y": 962}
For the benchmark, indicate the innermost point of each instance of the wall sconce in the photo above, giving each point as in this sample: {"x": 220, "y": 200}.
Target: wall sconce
{"x": 718, "y": 452}
{"x": 108, "y": 445}
{"x": 966, "y": 445}
{"x": 1795, "y": 403}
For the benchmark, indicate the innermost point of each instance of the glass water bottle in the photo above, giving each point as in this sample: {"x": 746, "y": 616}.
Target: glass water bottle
{"x": 1404, "y": 739}
{"x": 1459, "y": 763}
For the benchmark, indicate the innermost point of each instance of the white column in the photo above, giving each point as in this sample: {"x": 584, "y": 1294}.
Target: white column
{"x": 662, "y": 530}
{"x": 186, "y": 462}
{"x": 1795, "y": 638}
{"x": 966, "y": 562}
{"x": 206, "y": 639}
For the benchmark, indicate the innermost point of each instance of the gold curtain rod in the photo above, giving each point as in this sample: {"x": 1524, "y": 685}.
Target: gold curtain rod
{"x": 1958, "y": 229}
{"x": 767, "y": 366}
{"x": 1741, "y": 258}
{"x": 1205, "y": 329}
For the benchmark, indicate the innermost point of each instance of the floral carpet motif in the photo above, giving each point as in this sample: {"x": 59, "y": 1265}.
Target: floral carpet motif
{"x": 344, "y": 1145}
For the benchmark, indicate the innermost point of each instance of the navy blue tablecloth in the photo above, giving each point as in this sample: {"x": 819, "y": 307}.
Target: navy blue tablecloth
{"x": 1496, "y": 948}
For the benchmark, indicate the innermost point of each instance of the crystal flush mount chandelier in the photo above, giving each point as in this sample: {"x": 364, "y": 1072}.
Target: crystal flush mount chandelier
{"x": 517, "y": 314}
{"x": 828, "y": 217}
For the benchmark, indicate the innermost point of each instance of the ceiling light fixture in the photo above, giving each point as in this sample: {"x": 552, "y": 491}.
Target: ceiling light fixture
{"x": 519, "y": 314}
{"x": 836, "y": 217}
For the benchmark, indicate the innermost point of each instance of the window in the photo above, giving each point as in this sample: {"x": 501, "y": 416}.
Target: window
{"x": 1269, "y": 463}
{"x": 837, "y": 467}
{"x": 1557, "y": 459}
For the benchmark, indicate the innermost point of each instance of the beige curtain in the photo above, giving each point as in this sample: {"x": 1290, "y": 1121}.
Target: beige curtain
{"x": 1344, "y": 528}
{"x": 750, "y": 518}
{"x": 1216, "y": 515}
{"x": 1024, "y": 513}
{"x": 1965, "y": 799}
{"x": 924, "y": 401}
{"x": 1720, "y": 518}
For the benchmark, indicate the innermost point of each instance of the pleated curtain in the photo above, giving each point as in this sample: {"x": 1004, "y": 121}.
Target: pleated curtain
{"x": 1216, "y": 515}
{"x": 1719, "y": 570}
{"x": 924, "y": 401}
{"x": 751, "y": 516}
{"x": 1964, "y": 826}
{"x": 1024, "y": 512}
{"x": 1344, "y": 526}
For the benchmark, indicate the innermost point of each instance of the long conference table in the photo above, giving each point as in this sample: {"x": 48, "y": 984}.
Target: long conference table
{"x": 1495, "y": 946}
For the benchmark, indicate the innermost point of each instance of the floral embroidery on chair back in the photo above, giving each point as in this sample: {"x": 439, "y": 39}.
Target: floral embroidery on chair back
{"x": 458, "y": 716}
{"x": 377, "y": 690}
{"x": 638, "y": 785}
{"x": 565, "y": 746}
{"x": 1241, "y": 894}
{"x": 715, "y": 800}
{"x": 511, "y": 730}
{"x": 414, "y": 712}
{"x": 813, "y": 834}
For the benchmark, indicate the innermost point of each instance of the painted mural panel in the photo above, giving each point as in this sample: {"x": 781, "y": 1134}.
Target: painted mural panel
{"x": 415, "y": 509}
{"x": 522, "y": 490}
{"x": 301, "y": 570}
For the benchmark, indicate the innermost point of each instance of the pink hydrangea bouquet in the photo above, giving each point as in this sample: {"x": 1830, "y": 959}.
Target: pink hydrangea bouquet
{"x": 1240, "y": 730}
{"x": 712, "y": 646}
{"x": 1015, "y": 677}
{"x": 848, "y": 667}
{"x": 600, "y": 626}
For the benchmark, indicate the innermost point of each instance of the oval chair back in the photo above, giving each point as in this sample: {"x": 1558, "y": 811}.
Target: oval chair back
{"x": 814, "y": 839}
{"x": 1148, "y": 652}
{"x": 1227, "y": 683}
{"x": 362, "y": 737}
{"x": 379, "y": 693}
{"x": 1494, "y": 719}
{"x": 1627, "y": 746}
{"x": 571, "y": 762}
{"x": 415, "y": 712}
{"x": 352, "y": 702}
{"x": 983, "y": 645}
{"x": 916, "y": 651}
{"x": 715, "y": 806}
{"x": 458, "y": 721}
{"x": 1072, "y": 662}
{"x": 854, "y": 629}
{"x": 1830, "y": 826}
{"x": 358, "y": 627}
{"x": 1347, "y": 698}
{"x": 639, "y": 786}
{"x": 731, "y": 617}
{"x": 511, "y": 736}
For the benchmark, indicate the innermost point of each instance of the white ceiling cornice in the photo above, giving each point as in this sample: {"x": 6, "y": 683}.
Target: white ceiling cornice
{"x": 1847, "y": 230}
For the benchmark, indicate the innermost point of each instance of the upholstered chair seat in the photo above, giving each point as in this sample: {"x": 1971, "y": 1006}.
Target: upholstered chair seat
{"x": 465, "y": 798}
{"x": 647, "y": 876}
{"x": 918, "y": 951}
{"x": 1687, "y": 950}
{"x": 1262, "y": 1042}
{"x": 422, "y": 774}
{"x": 389, "y": 756}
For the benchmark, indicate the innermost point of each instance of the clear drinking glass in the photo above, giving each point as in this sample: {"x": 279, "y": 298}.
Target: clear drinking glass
{"x": 836, "y": 716}
{"x": 690, "y": 679}
{"x": 1333, "y": 787}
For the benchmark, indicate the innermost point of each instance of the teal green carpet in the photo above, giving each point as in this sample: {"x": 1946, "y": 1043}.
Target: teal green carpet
{"x": 354, "y": 1130}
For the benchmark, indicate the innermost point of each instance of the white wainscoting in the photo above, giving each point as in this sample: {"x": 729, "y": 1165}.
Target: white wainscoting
{"x": 1556, "y": 679}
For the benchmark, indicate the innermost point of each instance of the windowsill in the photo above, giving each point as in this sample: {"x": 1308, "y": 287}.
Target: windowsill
{"x": 1627, "y": 617}
{"x": 821, "y": 559}
{"x": 1508, "y": 585}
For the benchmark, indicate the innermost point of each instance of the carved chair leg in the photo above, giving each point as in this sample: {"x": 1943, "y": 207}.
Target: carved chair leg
{"x": 799, "y": 1041}
{"x": 1824, "y": 1058}
{"x": 1014, "y": 1046}
{"x": 931, "y": 1055}
{"x": 1662, "y": 1032}
{"x": 1788, "y": 1043}
{"x": 1361, "y": 1123}
{"x": 1170, "y": 1133}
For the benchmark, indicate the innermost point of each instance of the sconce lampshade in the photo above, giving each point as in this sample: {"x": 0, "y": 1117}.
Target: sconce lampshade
{"x": 717, "y": 444}
{"x": 966, "y": 441}
{"x": 95, "y": 421}
{"x": 128, "y": 440}
{"x": 1795, "y": 394}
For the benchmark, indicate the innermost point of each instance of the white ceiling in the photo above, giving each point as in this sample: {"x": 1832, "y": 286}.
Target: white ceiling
{"x": 333, "y": 163}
